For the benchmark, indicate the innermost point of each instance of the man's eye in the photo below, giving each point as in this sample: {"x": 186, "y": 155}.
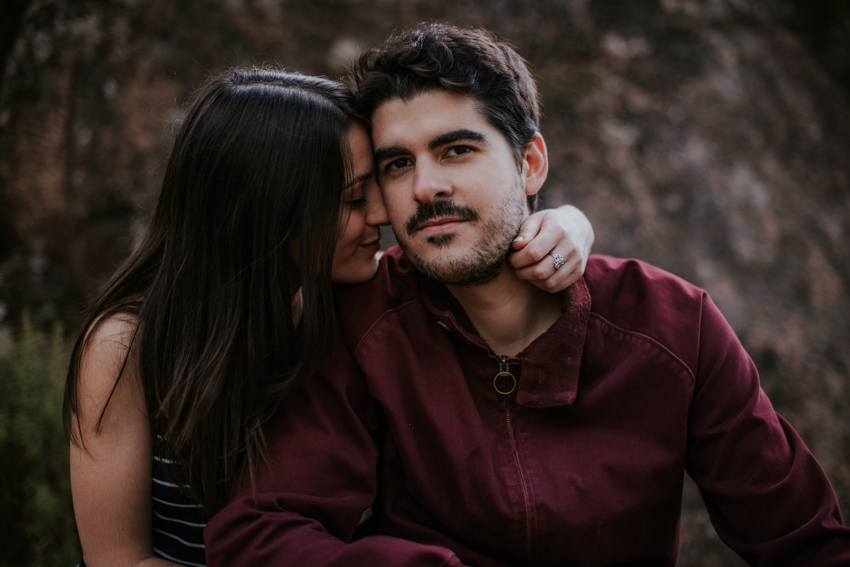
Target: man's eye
{"x": 458, "y": 150}
{"x": 397, "y": 164}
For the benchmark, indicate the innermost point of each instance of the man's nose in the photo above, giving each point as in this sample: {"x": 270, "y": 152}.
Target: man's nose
{"x": 430, "y": 182}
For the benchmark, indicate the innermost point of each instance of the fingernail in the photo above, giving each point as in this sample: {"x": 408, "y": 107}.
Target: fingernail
{"x": 519, "y": 239}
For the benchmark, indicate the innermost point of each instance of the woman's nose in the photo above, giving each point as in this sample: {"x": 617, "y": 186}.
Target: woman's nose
{"x": 376, "y": 212}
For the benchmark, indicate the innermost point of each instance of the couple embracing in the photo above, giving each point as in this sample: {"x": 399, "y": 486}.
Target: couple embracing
{"x": 466, "y": 405}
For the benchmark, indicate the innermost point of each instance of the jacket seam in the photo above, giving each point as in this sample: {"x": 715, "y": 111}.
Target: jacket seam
{"x": 651, "y": 341}
{"x": 380, "y": 320}
{"x": 703, "y": 298}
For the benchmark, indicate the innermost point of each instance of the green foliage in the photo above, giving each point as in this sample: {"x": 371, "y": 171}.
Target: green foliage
{"x": 36, "y": 517}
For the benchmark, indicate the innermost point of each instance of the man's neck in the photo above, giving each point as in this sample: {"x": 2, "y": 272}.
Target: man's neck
{"x": 508, "y": 313}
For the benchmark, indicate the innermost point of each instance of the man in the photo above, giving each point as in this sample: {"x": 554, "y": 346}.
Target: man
{"x": 495, "y": 424}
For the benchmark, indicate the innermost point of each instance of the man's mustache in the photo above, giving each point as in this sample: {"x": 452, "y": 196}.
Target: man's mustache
{"x": 442, "y": 208}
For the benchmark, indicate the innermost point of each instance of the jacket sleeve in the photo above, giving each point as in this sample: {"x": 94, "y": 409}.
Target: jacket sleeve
{"x": 767, "y": 496}
{"x": 311, "y": 491}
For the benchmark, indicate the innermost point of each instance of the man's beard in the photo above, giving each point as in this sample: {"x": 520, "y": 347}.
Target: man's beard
{"x": 484, "y": 260}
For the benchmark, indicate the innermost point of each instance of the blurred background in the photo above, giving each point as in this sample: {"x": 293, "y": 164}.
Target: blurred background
{"x": 709, "y": 137}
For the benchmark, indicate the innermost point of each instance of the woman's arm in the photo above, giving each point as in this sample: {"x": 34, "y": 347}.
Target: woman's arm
{"x": 111, "y": 463}
{"x": 565, "y": 231}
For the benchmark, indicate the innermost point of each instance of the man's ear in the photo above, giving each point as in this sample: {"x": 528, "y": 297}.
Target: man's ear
{"x": 535, "y": 164}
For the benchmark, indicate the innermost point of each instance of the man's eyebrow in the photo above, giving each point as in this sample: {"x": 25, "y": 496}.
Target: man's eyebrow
{"x": 359, "y": 178}
{"x": 389, "y": 152}
{"x": 456, "y": 136}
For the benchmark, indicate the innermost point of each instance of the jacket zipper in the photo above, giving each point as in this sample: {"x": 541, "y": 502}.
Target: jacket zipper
{"x": 504, "y": 368}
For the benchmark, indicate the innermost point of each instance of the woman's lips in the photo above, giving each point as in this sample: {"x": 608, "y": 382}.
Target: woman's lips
{"x": 372, "y": 245}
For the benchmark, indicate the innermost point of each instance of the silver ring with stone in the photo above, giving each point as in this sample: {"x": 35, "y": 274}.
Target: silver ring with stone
{"x": 559, "y": 260}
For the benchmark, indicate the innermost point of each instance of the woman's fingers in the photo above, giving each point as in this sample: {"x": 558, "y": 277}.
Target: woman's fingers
{"x": 546, "y": 276}
{"x": 562, "y": 230}
{"x": 528, "y": 231}
{"x": 565, "y": 232}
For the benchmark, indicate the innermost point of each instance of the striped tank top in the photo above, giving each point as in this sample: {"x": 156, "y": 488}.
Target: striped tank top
{"x": 177, "y": 525}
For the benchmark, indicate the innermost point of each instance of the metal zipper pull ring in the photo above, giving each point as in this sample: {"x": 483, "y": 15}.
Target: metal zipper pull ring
{"x": 504, "y": 372}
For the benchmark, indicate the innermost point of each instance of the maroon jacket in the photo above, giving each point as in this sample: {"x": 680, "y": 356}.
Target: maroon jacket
{"x": 640, "y": 380}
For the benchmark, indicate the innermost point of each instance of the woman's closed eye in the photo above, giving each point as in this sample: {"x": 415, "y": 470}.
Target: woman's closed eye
{"x": 354, "y": 196}
{"x": 357, "y": 203}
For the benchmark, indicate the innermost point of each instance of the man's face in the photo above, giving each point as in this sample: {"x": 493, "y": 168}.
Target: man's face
{"x": 453, "y": 191}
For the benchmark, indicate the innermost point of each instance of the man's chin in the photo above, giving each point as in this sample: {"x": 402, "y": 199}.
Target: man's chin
{"x": 449, "y": 259}
{"x": 469, "y": 270}
{"x": 431, "y": 247}
{"x": 441, "y": 240}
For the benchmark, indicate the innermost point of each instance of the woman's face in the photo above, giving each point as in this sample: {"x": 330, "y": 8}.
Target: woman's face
{"x": 355, "y": 256}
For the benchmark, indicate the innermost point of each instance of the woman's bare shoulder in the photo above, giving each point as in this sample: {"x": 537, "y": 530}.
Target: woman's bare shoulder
{"x": 110, "y": 340}
{"x": 108, "y": 372}
{"x": 112, "y": 330}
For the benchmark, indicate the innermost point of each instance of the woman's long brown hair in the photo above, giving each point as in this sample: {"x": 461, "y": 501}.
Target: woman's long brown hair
{"x": 257, "y": 168}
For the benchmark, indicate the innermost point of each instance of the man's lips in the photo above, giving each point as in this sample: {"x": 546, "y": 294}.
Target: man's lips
{"x": 439, "y": 217}
{"x": 440, "y": 224}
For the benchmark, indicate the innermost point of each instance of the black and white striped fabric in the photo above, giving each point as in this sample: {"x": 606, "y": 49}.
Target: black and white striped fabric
{"x": 177, "y": 524}
{"x": 178, "y": 527}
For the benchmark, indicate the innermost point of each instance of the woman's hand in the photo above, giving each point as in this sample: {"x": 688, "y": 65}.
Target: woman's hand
{"x": 565, "y": 231}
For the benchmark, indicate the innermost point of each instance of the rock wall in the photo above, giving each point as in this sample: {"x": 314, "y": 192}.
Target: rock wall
{"x": 708, "y": 137}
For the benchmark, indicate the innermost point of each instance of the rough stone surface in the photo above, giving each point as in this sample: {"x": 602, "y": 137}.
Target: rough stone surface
{"x": 710, "y": 137}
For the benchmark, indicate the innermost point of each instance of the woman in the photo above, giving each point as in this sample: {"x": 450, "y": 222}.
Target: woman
{"x": 225, "y": 306}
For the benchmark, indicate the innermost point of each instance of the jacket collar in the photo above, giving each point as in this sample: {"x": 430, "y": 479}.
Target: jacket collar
{"x": 550, "y": 364}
